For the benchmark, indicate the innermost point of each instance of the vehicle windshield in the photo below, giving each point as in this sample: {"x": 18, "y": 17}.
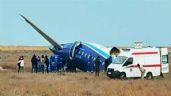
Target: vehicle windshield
{"x": 119, "y": 60}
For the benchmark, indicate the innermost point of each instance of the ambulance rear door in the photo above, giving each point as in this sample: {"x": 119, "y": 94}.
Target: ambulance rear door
{"x": 164, "y": 60}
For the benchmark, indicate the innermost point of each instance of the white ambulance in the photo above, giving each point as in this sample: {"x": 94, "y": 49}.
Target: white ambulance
{"x": 153, "y": 60}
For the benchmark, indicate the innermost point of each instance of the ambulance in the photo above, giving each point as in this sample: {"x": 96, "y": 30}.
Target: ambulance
{"x": 153, "y": 60}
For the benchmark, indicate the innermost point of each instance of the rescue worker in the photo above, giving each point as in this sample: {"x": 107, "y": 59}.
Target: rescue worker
{"x": 97, "y": 66}
{"x": 107, "y": 62}
{"x": 43, "y": 63}
{"x": 47, "y": 64}
{"x": 62, "y": 64}
{"x": 34, "y": 63}
{"x": 142, "y": 70}
{"x": 56, "y": 63}
{"x": 38, "y": 64}
{"x": 52, "y": 63}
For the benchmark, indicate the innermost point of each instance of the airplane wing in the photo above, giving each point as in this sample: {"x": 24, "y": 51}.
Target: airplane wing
{"x": 50, "y": 40}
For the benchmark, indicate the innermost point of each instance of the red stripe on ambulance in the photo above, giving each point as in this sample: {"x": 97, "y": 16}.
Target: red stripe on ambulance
{"x": 149, "y": 65}
{"x": 144, "y": 53}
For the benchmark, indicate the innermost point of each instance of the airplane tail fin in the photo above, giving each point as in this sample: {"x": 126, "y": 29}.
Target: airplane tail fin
{"x": 49, "y": 39}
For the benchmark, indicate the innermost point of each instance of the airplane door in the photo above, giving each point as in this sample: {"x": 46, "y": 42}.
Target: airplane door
{"x": 164, "y": 60}
{"x": 72, "y": 51}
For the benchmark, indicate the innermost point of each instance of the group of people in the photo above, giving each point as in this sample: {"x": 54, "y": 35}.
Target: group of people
{"x": 47, "y": 64}
{"x": 40, "y": 64}
{"x": 44, "y": 64}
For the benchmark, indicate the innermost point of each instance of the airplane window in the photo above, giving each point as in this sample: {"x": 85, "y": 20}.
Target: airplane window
{"x": 79, "y": 52}
{"x": 88, "y": 56}
{"x": 82, "y": 53}
{"x": 81, "y": 49}
{"x": 103, "y": 63}
{"x": 85, "y": 54}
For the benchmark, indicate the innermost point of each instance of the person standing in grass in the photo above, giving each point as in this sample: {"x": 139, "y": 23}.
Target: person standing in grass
{"x": 43, "y": 63}
{"x": 142, "y": 70}
{"x": 107, "y": 62}
{"x": 21, "y": 64}
{"x": 18, "y": 64}
{"x": 47, "y": 63}
{"x": 38, "y": 64}
{"x": 97, "y": 66}
{"x": 34, "y": 63}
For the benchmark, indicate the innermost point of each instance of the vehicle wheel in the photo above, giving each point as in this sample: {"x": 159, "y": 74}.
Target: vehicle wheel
{"x": 122, "y": 76}
{"x": 149, "y": 76}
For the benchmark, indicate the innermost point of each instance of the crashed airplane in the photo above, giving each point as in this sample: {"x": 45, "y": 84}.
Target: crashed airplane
{"x": 81, "y": 53}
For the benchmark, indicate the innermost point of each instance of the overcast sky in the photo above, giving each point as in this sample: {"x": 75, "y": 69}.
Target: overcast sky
{"x": 107, "y": 22}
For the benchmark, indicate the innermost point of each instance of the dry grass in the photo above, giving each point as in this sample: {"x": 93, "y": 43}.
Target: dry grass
{"x": 78, "y": 84}
{"x": 72, "y": 84}
{"x": 23, "y": 48}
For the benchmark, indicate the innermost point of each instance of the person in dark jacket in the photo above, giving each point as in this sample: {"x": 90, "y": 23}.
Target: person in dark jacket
{"x": 47, "y": 64}
{"x": 107, "y": 62}
{"x": 97, "y": 66}
{"x": 34, "y": 64}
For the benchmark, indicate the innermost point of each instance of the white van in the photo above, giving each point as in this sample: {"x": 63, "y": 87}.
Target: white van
{"x": 153, "y": 60}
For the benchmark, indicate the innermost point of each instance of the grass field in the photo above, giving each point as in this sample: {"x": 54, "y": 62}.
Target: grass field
{"x": 73, "y": 84}
{"x": 79, "y": 84}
